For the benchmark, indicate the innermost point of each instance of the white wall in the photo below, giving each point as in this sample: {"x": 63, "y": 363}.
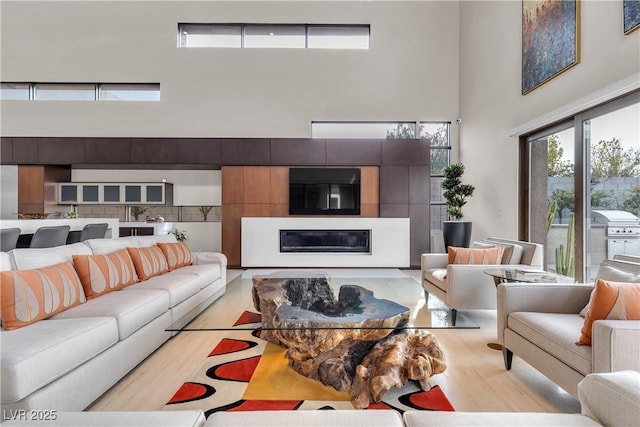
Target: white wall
{"x": 409, "y": 73}
{"x": 491, "y": 103}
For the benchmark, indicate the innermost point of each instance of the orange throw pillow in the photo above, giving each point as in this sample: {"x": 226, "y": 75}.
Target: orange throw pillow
{"x": 100, "y": 274}
{"x": 611, "y": 301}
{"x": 149, "y": 261}
{"x": 177, "y": 254}
{"x": 475, "y": 255}
{"x": 27, "y": 296}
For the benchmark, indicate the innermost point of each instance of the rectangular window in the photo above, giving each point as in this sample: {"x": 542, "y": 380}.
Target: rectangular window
{"x": 279, "y": 36}
{"x": 65, "y": 92}
{"x": 14, "y": 91}
{"x": 338, "y": 37}
{"x": 283, "y": 36}
{"x": 371, "y": 130}
{"x": 210, "y": 35}
{"x": 129, "y": 92}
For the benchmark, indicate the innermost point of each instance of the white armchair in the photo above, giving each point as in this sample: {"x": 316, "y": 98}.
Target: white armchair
{"x": 467, "y": 287}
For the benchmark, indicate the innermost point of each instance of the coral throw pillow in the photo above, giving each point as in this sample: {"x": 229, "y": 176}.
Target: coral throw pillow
{"x": 177, "y": 254}
{"x": 611, "y": 301}
{"x": 475, "y": 255}
{"x": 149, "y": 261}
{"x": 100, "y": 274}
{"x": 30, "y": 295}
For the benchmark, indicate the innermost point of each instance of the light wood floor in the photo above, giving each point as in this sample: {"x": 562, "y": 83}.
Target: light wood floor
{"x": 475, "y": 379}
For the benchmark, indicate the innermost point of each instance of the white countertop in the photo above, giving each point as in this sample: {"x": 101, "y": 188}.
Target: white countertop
{"x": 29, "y": 226}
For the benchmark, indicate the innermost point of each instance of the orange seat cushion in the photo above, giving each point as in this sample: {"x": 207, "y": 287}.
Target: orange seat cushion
{"x": 149, "y": 261}
{"x": 611, "y": 301}
{"x": 475, "y": 255}
{"x": 177, "y": 254}
{"x": 100, "y": 274}
{"x": 27, "y": 296}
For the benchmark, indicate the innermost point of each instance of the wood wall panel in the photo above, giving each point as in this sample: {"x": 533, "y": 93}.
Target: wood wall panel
{"x": 370, "y": 210}
{"x": 231, "y": 228}
{"x": 279, "y": 210}
{"x": 25, "y": 151}
{"x": 370, "y": 185}
{"x": 30, "y": 186}
{"x": 257, "y": 184}
{"x": 257, "y": 209}
{"x": 232, "y": 184}
{"x": 6, "y": 150}
{"x": 280, "y": 185}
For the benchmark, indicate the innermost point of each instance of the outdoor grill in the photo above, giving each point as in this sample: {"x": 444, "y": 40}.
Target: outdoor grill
{"x": 623, "y": 231}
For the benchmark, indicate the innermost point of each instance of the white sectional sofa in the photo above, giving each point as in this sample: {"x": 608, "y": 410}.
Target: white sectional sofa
{"x": 67, "y": 361}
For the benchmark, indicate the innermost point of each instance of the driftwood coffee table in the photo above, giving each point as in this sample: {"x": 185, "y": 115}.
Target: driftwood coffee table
{"x": 356, "y": 343}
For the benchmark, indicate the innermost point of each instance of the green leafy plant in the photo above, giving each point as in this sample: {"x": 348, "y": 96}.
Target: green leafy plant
{"x": 456, "y": 192}
{"x": 204, "y": 210}
{"x": 181, "y": 236}
{"x": 136, "y": 211}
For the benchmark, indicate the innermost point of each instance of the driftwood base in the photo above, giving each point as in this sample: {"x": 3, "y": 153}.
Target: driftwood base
{"x": 351, "y": 343}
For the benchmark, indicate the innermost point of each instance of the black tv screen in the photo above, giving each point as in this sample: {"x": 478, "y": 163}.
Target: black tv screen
{"x": 324, "y": 191}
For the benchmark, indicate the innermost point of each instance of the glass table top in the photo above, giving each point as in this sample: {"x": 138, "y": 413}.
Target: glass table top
{"x": 527, "y": 276}
{"x": 367, "y": 296}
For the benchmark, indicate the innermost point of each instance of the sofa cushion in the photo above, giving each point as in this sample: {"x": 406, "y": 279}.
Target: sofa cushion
{"x": 106, "y": 246}
{"x": 344, "y": 417}
{"x": 132, "y": 310}
{"x": 27, "y": 296}
{"x": 186, "y": 418}
{"x": 474, "y": 255}
{"x": 178, "y": 286}
{"x": 28, "y": 258}
{"x": 507, "y": 255}
{"x": 207, "y": 273}
{"x": 177, "y": 254}
{"x": 100, "y": 274}
{"x": 38, "y": 354}
{"x": 415, "y": 418}
{"x": 149, "y": 261}
{"x": 611, "y": 301}
{"x": 556, "y": 333}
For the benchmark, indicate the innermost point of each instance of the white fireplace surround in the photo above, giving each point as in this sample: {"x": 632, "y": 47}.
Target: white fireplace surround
{"x": 261, "y": 242}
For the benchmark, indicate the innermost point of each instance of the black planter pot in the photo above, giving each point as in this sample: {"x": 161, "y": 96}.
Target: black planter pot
{"x": 456, "y": 233}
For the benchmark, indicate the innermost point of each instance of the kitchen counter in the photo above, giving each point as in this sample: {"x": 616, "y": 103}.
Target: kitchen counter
{"x": 138, "y": 228}
{"x": 29, "y": 226}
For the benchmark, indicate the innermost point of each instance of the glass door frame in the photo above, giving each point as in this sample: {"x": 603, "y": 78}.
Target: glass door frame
{"x": 535, "y": 232}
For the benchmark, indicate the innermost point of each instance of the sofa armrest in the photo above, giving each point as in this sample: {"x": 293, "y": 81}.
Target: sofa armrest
{"x": 540, "y": 298}
{"x": 612, "y": 399}
{"x": 429, "y": 261}
{"x": 209, "y": 258}
{"x": 615, "y": 345}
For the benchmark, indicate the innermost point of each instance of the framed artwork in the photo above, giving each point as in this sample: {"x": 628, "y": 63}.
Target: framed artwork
{"x": 550, "y": 40}
{"x": 631, "y": 12}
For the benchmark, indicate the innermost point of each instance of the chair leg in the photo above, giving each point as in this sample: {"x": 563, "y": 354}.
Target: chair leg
{"x": 426, "y": 298}
{"x": 454, "y": 314}
{"x": 507, "y": 355}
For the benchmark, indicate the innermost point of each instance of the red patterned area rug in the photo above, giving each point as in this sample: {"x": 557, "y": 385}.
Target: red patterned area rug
{"x": 223, "y": 379}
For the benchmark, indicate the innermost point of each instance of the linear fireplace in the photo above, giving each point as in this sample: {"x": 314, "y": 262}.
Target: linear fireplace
{"x": 351, "y": 241}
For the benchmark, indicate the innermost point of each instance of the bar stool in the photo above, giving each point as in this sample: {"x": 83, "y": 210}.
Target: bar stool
{"x": 94, "y": 231}
{"x": 9, "y": 238}
{"x": 47, "y": 237}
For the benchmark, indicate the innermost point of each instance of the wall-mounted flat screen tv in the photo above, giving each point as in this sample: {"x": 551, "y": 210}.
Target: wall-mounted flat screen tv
{"x": 324, "y": 191}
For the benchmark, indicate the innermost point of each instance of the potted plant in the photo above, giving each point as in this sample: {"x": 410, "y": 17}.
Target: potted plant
{"x": 136, "y": 211}
{"x": 204, "y": 210}
{"x": 456, "y": 233}
{"x": 181, "y": 236}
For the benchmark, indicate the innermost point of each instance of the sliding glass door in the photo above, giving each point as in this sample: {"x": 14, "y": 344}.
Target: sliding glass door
{"x": 581, "y": 187}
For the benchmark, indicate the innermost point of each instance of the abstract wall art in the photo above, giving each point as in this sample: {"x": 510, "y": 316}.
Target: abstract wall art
{"x": 631, "y": 12}
{"x": 550, "y": 40}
